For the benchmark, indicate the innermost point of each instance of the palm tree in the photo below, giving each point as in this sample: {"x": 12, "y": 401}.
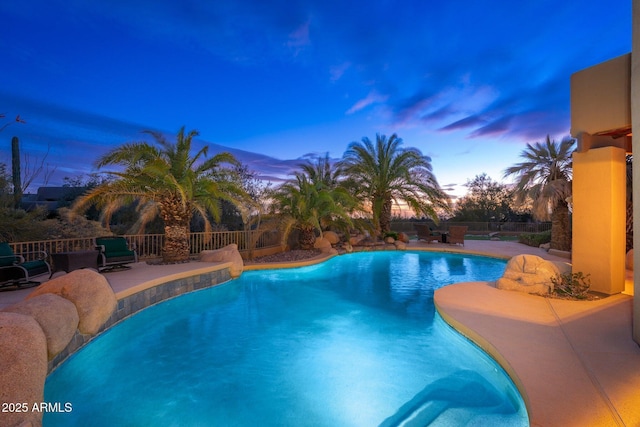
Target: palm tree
{"x": 383, "y": 173}
{"x": 165, "y": 181}
{"x": 545, "y": 177}
{"x": 322, "y": 172}
{"x": 312, "y": 202}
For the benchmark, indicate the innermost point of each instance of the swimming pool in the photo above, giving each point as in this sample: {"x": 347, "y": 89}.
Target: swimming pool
{"x": 354, "y": 341}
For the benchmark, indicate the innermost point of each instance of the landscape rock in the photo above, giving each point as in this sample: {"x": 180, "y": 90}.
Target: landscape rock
{"x": 57, "y": 317}
{"x": 23, "y": 367}
{"x": 530, "y": 274}
{"x": 563, "y": 267}
{"x": 323, "y": 244}
{"x": 403, "y": 237}
{"x": 545, "y": 246}
{"x": 89, "y": 291}
{"x": 389, "y": 240}
{"x": 400, "y": 245}
{"x": 332, "y": 237}
{"x": 355, "y": 240}
{"x": 348, "y": 248}
{"x": 228, "y": 253}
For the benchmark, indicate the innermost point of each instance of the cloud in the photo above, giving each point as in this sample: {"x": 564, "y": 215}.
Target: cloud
{"x": 337, "y": 71}
{"x": 370, "y": 99}
{"x": 493, "y": 128}
{"x": 299, "y": 38}
{"x": 465, "y": 123}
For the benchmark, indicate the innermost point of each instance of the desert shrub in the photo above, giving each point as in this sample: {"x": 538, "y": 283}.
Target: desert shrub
{"x": 535, "y": 239}
{"x": 574, "y": 285}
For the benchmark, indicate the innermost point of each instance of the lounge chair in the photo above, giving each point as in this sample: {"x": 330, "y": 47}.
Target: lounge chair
{"x": 425, "y": 233}
{"x": 115, "y": 253}
{"x": 456, "y": 234}
{"x": 18, "y": 270}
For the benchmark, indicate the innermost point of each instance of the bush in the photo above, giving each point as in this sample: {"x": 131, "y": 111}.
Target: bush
{"x": 535, "y": 239}
{"x": 574, "y": 285}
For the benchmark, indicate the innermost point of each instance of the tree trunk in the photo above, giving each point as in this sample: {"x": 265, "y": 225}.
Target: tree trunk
{"x": 560, "y": 227}
{"x": 176, "y": 217}
{"x": 176, "y": 244}
{"x": 385, "y": 217}
{"x": 307, "y": 238}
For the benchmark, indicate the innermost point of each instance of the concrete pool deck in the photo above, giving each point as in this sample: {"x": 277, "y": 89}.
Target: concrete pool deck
{"x": 574, "y": 362}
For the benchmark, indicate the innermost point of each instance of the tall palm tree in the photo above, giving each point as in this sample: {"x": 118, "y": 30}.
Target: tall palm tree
{"x": 383, "y": 173}
{"x": 545, "y": 177}
{"x": 166, "y": 181}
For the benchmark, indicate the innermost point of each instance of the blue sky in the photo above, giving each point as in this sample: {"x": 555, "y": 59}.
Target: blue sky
{"x": 468, "y": 83}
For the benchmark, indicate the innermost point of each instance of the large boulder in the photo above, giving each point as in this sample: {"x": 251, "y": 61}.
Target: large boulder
{"x": 530, "y": 274}
{"x": 230, "y": 254}
{"x": 89, "y": 291}
{"x": 400, "y": 245}
{"x": 332, "y": 237}
{"x": 57, "y": 317}
{"x": 23, "y": 368}
{"x": 323, "y": 244}
{"x": 355, "y": 240}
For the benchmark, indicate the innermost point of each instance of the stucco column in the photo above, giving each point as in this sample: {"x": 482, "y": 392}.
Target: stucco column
{"x": 599, "y": 217}
{"x": 635, "y": 119}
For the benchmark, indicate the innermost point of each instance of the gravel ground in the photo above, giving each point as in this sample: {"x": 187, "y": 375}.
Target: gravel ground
{"x": 289, "y": 256}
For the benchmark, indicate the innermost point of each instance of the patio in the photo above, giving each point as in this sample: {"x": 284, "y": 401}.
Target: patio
{"x": 574, "y": 361}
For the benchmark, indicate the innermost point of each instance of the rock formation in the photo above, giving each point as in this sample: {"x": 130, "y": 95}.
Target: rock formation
{"x": 89, "y": 291}
{"x": 323, "y": 244}
{"x": 23, "y": 368}
{"x": 227, "y": 254}
{"x": 57, "y": 317}
{"x": 332, "y": 237}
{"x": 530, "y": 274}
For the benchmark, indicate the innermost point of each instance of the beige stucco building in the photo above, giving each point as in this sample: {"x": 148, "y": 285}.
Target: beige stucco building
{"x": 605, "y": 102}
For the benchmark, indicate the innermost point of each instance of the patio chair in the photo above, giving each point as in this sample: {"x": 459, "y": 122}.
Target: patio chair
{"x": 115, "y": 253}
{"x": 18, "y": 270}
{"x": 456, "y": 234}
{"x": 425, "y": 233}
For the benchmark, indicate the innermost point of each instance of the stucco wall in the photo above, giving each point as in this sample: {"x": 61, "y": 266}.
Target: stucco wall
{"x": 599, "y": 220}
{"x": 607, "y": 83}
{"x": 635, "y": 108}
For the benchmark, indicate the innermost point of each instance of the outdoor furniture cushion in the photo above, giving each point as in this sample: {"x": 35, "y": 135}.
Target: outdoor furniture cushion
{"x": 114, "y": 251}
{"x": 15, "y": 271}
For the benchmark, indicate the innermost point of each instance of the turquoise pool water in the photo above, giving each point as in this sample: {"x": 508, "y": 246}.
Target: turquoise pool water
{"x": 354, "y": 341}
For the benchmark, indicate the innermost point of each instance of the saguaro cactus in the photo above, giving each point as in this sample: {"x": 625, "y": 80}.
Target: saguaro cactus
{"x": 15, "y": 171}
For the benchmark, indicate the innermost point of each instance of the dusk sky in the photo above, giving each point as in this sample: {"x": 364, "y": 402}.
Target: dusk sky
{"x": 467, "y": 82}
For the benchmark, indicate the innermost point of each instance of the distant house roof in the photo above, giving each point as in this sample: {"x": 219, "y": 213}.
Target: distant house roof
{"x": 51, "y": 194}
{"x": 48, "y": 197}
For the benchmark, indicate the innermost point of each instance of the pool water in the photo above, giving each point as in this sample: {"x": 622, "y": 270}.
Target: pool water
{"x": 354, "y": 341}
